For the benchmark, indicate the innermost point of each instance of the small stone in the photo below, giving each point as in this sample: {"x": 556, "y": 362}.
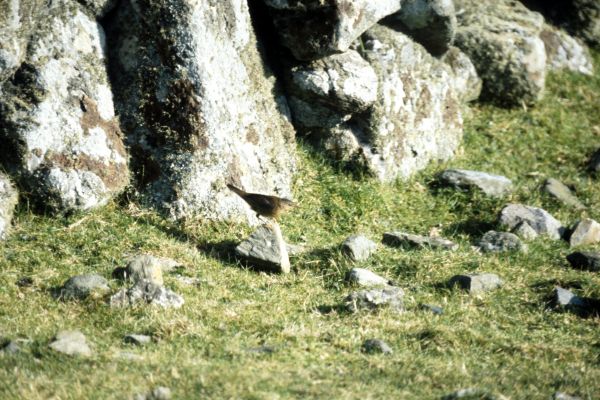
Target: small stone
{"x": 148, "y": 292}
{"x": 136, "y": 339}
{"x": 538, "y": 219}
{"x": 24, "y": 281}
{"x": 372, "y": 346}
{"x": 495, "y": 242}
{"x": 144, "y": 267}
{"x": 585, "y": 260}
{"x": 358, "y": 247}
{"x": 586, "y": 231}
{"x": 437, "y": 310}
{"x": 492, "y": 185}
{"x": 525, "y": 231}
{"x": 81, "y": 286}
{"x": 476, "y": 283}
{"x": 10, "y": 347}
{"x": 295, "y": 249}
{"x": 72, "y": 343}
{"x": 565, "y": 298}
{"x": 375, "y": 299}
{"x": 562, "y": 193}
{"x": 158, "y": 393}
{"x": 472, "y": 394}
{"x": 402, "y": 239}
{"x": 364, "y": 277}
{"x": 564, "y": 396}
{"x": 266, "y": 248}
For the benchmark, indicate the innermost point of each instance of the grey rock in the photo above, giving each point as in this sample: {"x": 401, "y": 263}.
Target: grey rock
{"x": 586, "y": 231}
{"x": 314, "y": 29}
{"x": 593, "y": 163}
{"x": 437, "y": 310}
{"x": 586, "y": 260}
{"x": 525, "y": 231}
{"x": 63, "y": 142}
{"x": 266, "y": 248}
{"x": 148, "y": 292}
{"x": 403, "y": 239}
{"x": 343, "y": 82}
{"x": 201, "y": 107}
{"x": 364, "y": 277}
{"x": 473, "y": 394}
{"x": 564, "y": 396}
{"x": 374, "y": 299}
{"x": 295, "y": 249}
{"x": 492, "y": 185}
{"x": 431, "y": 23}
{"x": 562, "y": 193}
{"x": 466, "y": 80}
{"x": 372, "y": 346}
{"x": 494, "y": 242}
{"x": 81, "y": 286}
{"x": 358, "y": 247}
{"x": 476, "y": 283}
{"x": 25, "y": 281}
{"x": 158, "y": 393}
{"x": 567, "y": 300}
{"x": 145, "y": 267}
{"x": 502, "y": 38}
{"x": 565, "y": 52}
{"x": 538, "y": 219}
{"x": 137, "y": 339}
{"x": 10, "y": 347}
{"x": 72, "y": 343}
{"x": 8, "y": 200}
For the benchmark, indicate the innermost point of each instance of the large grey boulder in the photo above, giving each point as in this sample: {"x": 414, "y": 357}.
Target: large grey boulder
{"x": 266, "y": 248}
{"x": 565, "y": 52}
{"x": 200, "y": 106}
{"x": 61, "y": 138}
{"x": 414, "y": 119}
{"x": 491, "y": 185}
{"x": 314, "y": 28}
{"x": 538, "y": 219}
{"x": 8, "y": 200}
{"x": 502, "y": 38}
{"x": 364, "y": 277}
{"x": 431, "y": 23}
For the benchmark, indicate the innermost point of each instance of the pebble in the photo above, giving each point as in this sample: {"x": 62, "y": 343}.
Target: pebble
{"x": 476, "y": 283}
{"x": 358, "y": 247}
{"x": 72, "y": 343}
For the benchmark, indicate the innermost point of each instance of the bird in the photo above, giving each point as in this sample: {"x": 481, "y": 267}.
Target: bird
{"x": 263, "y": 204}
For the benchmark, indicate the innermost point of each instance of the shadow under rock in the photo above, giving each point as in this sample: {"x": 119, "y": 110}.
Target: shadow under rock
{"x": 472, "y": 227}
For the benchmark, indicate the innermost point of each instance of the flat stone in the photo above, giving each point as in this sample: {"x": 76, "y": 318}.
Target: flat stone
{"x": 491, "y": 185}
{"x": 538, "y": 219}
{"x": 375, "y": 299}
{"x": 148, "y": 292}
{"x": 585, "y": 260}
{"x": 364, "y": 277}
{"x": 136, "y": 339}
{"x": 562, "y": 193}
{"x": 496, "y": 242}
{"x": 358, "y": 247}
{"x": 81, "y": 286}
{"x": 403, "y": 239}
{"x": 476, "y": 283}
{"x": 525, "y": 231}
{"x": 586, "y": 231}
{"x": 8, "y": 201}
{"x": 372, "y": 346}
{"x": 266, "y": 248}
{"x": 72, "y": 343}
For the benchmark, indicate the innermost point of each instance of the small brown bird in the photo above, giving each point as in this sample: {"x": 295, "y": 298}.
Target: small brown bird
{"x": 264, "y": 204}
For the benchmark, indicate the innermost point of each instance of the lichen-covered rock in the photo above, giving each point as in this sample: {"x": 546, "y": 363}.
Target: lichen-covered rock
{"x": 99, "y": 8}
{"x": 18, "y": 19}
{"x": 375, "y": 299}
{"x": 146, "y": 292}
{"x": 476, "y": 283}
{"x": 565, "y": 52}
{"x": 200, "y": 106}
{"x": 496, "y": 242}
{"x": 8, "y": 200}
{"x": 72, "y": 343}
{"x": 492, "y": 185}
{"x": 358, "y": 247}
{"x": 315, "y": 28}
{"x": 403, "y": 239}
{"x": 538, "y": 219}
{"x": 431, "y": 23}
{"x": 466, "y": 80}
{"x": 502, "y": 38}
{"x": 81, "y": 286}
{"x": 57, "y": 121}
{"x": 266, "y": 248}
{"x": 364, "y": 277}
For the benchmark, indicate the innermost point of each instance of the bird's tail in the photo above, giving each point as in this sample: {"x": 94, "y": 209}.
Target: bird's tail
{"x": 239, "y": 192}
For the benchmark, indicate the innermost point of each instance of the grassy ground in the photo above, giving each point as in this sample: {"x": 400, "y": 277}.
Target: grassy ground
{"x": 506, "y": 341}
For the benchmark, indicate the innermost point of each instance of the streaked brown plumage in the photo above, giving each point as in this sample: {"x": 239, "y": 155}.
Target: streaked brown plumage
{"x": 263, "y": 204}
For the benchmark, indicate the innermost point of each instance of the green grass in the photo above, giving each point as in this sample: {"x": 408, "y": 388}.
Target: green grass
{"x": 506, "y": 341}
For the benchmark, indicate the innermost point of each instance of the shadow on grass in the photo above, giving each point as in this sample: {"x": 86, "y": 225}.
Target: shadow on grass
{"x": 472, "y": 227}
